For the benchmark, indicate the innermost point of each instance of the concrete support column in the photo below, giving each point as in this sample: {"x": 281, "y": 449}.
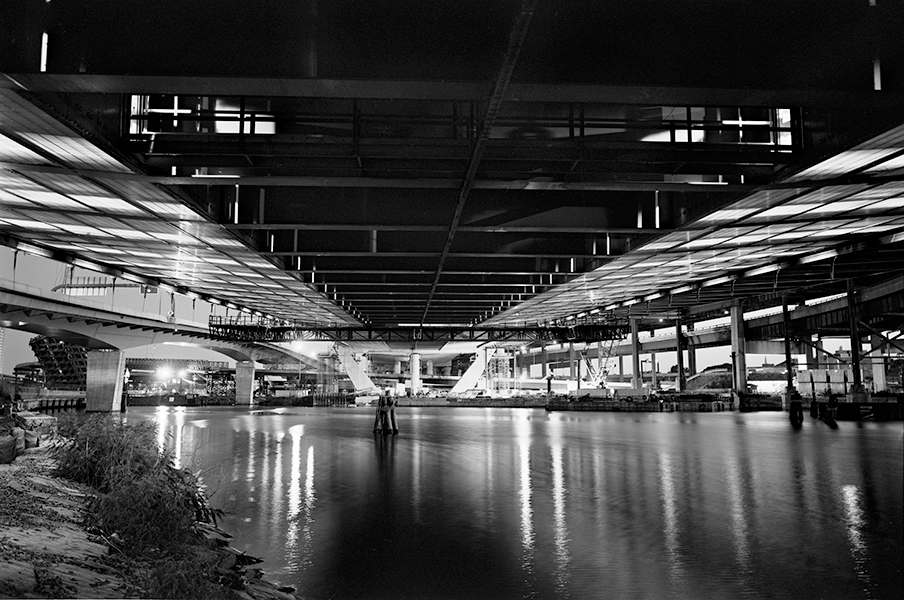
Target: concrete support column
{"x": 654, "y": 383}
{"x": 429, "y": 370}
{"x": 414, "y": 363}
{"x": 691, "y": 354}
{"x": 544, "y": 361}
{"x": 812, "y": 357}
{"x": 103, "y": 392}
{"x": 880, "y": 383}
{"x": 571, "y": 373}
{"x": 789, "y": 371}
{"x": 397, "y": 367}
{"x": 738, "y": 351}
{"x": 244, "y": 383}
{"x": 679, "y": 355}
{"x": 792, "y": 399}
{"x": 636, "y": 375}
{"x": 855, "y": 337}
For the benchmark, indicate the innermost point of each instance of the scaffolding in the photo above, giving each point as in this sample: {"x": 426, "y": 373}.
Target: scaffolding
{"x": 328, "y": 374}
{"x": 498, "y": 371}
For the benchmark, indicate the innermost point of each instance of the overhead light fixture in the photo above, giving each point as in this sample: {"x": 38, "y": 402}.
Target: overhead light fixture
{"x": 32, "y": 249}
{"x": 45, "y": 42}
{"x": 762, "y": 270}
{"x": 718, "y": 280}
{"x": 819, "y": 256}
{"x": 681, "y": 290}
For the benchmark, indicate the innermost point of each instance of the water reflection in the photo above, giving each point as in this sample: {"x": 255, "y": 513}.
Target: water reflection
{"x": 853, "y": 516}
{"x": 477, "y": 503}
{"x": 522, "y": 430}
{"x": 266, "y": 490}
{"x": 307, "y": 534}
{"x": 670, "y": 519}
{"x": 252, "y": 463}
{"x": 278, "y": 493}
{"x": 563, "y": 560}
{"x": 294, "y": 506}
{"x": 738, "y": 509}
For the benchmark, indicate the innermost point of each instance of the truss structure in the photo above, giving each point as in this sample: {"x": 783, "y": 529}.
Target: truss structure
{"x": 248, "y": 329}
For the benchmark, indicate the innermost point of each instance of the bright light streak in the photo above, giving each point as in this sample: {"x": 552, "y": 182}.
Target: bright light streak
{"x": 45, "y": 41}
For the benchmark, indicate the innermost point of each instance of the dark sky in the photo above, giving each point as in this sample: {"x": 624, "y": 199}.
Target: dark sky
{"x": 821, "y": 44}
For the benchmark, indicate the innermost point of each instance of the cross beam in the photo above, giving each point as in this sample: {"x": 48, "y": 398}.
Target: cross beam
{"x": 247, "y": 330}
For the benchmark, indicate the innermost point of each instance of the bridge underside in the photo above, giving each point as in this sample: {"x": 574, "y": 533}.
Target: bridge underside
{"x": 383, "y": 182}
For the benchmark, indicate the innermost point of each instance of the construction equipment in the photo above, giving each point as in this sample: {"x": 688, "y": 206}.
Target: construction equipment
{"x": 596, "y": 376}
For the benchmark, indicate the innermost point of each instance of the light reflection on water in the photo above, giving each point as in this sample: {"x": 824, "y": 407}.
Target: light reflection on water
{"x": 498, "y": 503}
{"x": 522, "y": 428}
{"x": 670, "y": 521}
{"x": 854, "y": 518}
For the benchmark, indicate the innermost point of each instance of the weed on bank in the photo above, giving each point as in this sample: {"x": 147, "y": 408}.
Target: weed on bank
{"x": 145, "y": 507}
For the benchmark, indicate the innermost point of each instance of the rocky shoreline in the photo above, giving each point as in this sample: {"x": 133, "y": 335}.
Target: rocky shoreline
{"x": 46, "y": 552}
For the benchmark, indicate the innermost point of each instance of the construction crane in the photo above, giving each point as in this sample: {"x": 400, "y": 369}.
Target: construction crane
{"x": 595, "y": 377}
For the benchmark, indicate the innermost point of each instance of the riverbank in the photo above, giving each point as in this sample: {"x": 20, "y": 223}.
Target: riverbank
{"x": 46, "y": 552}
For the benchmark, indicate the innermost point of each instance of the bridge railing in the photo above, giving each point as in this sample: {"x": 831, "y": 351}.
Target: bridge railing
{"x": 96, "y": 305}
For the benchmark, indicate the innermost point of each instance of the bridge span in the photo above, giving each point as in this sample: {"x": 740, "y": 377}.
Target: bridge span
{"x": 108, "y": 331}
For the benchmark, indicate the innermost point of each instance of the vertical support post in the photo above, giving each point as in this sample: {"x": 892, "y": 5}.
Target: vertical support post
{"x": 691, "y": 353}
{"x": 636, "y": 376}
{"x": 738, "y": 349}
{"x": 244, "y": 383}
{"x": 855, "y": 337}
{"x": 414, "y": 363}
{"x": 653, "y": 383}
{"x": 429, "y": 369}
{"x": 579, "y": 374}
{"x": 880, "y": 383}
{"x": 679, "y": 356}
{"x": 397, "y": 367}
{"x": 103, "y": 391}
{"x": 544, "y": 360}
{"x": 789, "y": 372}
{"x": 812, "y": 357}
{"x": 792, "y": 397}
{"x": 571, "y": 360}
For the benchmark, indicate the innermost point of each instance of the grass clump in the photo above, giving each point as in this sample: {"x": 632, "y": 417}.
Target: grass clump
{"x": 144, "y": 503}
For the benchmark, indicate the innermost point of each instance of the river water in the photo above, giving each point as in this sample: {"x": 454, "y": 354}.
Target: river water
{"x": 521, "y": 503}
